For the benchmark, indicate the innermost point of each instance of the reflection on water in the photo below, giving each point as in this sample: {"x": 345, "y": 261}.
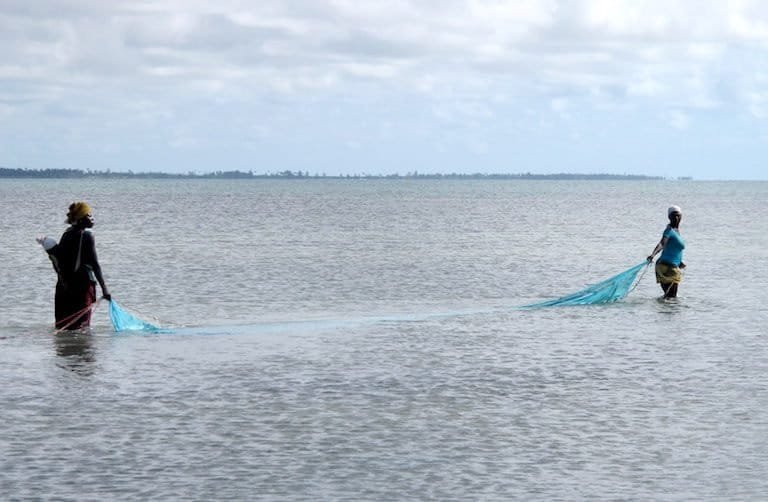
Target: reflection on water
{"x": 76, "y": 352}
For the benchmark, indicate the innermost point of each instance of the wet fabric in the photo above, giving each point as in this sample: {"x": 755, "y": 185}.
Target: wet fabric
{"x": 123, "y": 320}
{"x": 666, "y": 273}
{"x": 73, "y": 297}
{"x": 610, "y": 290}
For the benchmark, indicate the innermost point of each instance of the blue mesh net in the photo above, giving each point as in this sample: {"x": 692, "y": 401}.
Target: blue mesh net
{"x": 608, "y": 291}
{"x": 122, "y": 320}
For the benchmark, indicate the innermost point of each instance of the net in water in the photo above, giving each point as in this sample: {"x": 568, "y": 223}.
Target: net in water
{"x": 608, "y": 291}
{"x": 123, "y": 320}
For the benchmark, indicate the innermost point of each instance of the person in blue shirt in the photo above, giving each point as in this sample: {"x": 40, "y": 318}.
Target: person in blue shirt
{"x": 670, "y": 263}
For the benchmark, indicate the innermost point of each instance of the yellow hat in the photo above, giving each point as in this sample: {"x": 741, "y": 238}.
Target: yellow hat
{"x": 78, "y": 211}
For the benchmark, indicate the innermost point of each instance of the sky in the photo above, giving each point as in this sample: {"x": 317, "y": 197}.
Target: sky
{"x": 661, "y": 88}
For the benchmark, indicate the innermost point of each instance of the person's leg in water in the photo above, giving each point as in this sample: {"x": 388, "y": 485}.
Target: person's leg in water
{"x": 670, "y": 290}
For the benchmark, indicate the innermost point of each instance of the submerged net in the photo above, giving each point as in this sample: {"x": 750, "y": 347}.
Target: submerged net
{"x": 122, "y": 320}
{"x": 608, "y": 291}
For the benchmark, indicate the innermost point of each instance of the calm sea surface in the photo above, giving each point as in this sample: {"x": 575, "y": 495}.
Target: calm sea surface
{"x": 359, "y": 340}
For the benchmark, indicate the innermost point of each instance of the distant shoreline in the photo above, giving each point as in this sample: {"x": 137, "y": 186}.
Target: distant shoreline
{"x": 301, "y": 175}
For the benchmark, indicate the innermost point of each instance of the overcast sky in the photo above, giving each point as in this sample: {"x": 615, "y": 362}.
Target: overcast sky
{"x": 671, "y": 88}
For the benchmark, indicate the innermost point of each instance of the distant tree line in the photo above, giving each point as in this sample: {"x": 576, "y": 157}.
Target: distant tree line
{"x": 79, "y": 173}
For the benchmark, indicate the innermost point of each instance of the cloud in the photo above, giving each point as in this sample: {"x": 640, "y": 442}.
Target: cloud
{"x": 576, "y": 45}
{"x": 757, "y": 103}
{"x": 560, "y": 106}
{"x": 678, "y": 119}
{"x": 150, "y": 63}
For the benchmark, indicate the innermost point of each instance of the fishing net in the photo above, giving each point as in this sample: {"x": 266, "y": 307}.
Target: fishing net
{"x": 123, "y": 320}
{"x": 608, "y": 291}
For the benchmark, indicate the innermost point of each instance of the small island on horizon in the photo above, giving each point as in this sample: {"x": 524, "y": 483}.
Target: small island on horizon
{"x": 239, "y": 175}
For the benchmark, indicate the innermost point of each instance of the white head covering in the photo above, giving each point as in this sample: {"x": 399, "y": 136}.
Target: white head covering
{"x": 674, "y": 209}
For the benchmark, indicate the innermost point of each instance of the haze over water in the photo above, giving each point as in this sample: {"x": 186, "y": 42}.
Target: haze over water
{"x": 359, "y": 340}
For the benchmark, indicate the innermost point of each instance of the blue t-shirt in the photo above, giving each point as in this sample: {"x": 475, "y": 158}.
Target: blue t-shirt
{"x": 673, "y": 250}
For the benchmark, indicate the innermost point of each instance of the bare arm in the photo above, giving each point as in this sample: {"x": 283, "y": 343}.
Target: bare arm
{"x": 97, "y": 268}
{"x": 658, "y": 248}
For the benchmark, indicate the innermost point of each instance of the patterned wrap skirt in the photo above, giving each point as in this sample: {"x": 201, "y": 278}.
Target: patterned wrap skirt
{"x": 666, "y": 273}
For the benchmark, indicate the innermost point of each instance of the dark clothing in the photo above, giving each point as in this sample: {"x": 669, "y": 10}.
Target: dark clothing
{"x": 78, "y": 267}
{"x": 72, "y": 298}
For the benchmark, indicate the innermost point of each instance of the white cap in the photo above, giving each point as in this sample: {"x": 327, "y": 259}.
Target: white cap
{"x": 674, "y": 209}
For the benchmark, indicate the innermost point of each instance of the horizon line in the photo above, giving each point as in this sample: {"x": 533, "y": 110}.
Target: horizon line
{"x": 288, "y": 174}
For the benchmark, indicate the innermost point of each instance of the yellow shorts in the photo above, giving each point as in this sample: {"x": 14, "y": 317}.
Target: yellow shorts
{"x": 668, "y": 274}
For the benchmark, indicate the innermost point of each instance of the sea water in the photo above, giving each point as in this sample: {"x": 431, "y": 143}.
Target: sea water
{"x": 360, "y": 340}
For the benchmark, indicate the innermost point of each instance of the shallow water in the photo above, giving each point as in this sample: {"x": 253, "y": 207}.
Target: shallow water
{"x": 359, "y": 340}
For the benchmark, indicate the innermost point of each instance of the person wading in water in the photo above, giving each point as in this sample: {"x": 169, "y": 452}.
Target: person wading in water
{"x": 75, "y": 261}
{"x": 670, "y": 263}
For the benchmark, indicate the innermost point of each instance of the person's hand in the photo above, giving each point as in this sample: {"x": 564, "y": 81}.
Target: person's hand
{"x": 106, "y": 296}
{"x": 682, "y": 265}
{"x": 650, "y": 258}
